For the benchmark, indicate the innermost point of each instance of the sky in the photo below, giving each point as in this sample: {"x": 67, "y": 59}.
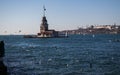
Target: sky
{"x": 24, "y": 16}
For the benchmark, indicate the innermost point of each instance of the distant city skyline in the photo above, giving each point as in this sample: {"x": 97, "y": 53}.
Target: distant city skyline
{"x": 24, "y": 16}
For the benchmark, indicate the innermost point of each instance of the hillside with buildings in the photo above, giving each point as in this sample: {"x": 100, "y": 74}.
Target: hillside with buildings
{"x": 99, "y": 29}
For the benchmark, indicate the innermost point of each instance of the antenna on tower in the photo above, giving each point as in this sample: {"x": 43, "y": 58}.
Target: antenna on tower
{"x": 44, "y": 9}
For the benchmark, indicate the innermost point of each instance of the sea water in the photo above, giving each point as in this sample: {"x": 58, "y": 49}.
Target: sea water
{"x": 75, "y": 55}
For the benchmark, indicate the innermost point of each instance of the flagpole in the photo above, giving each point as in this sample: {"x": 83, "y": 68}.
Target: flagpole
{"x": 44, "y": 10}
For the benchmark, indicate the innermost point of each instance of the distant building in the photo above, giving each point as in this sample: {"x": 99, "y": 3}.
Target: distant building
{"x": 103, "y": 27}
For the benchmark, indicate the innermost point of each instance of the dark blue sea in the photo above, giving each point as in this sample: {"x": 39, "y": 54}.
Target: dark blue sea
{"x": 76, "y": 55}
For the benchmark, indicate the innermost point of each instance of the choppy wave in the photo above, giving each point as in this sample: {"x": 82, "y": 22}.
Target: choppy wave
{"x": 76, "y": 55}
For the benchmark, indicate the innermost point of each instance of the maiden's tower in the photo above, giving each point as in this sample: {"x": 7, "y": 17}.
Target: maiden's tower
{"x": 44, "y": 28}
{"x": 45, "y": 32}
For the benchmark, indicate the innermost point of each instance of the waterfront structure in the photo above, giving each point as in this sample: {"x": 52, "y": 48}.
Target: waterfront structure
{"x": 45, "y": 32}
{"x": 44, "y": 28}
